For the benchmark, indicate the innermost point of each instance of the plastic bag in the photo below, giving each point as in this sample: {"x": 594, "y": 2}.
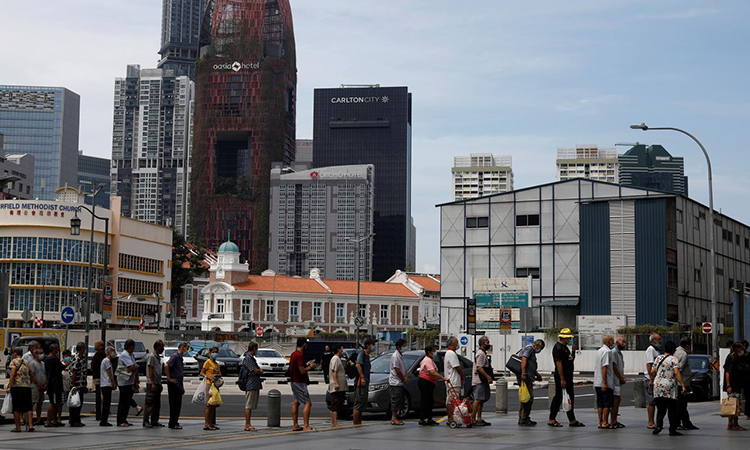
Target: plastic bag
{"x": 567, "y": 405}
{"x": 200, "y": 397}
{"x": 74, "y": 400}
{"x": 214, "y": 398}
{"x": 524, "y": 396}
{"x": 7, "y": 409}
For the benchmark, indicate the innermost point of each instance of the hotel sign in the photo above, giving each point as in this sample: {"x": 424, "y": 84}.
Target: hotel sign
{"x": 237, "y": 66}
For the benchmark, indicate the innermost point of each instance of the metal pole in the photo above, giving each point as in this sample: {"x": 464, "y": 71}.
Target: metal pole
{"x": 356, "y": 265}
{"x": 91, "y": 268}
{"x": 106, "y": 274}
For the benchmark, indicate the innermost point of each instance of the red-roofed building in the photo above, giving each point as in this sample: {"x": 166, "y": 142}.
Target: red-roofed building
{"x": 234, "y": 300}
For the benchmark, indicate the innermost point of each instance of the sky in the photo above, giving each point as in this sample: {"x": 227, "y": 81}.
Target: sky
{"x": 491, "y": 76}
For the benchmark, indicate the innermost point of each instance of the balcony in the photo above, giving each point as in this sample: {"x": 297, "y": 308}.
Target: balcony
{"x": 340, "y": 319}
{"x": 385, "y": 321}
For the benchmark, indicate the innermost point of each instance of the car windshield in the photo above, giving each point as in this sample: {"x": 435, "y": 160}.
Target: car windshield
{"x": 139, "y": 347}
{"x": 268, "y": 354}
{"x": 382, "y": 364}
{"x": 698, "y": 363}
{"x": 170, "y": 352}
{"x": 227, "y": 353}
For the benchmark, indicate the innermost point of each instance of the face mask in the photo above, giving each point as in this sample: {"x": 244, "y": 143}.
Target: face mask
{"x": 537, "y": 350}
{"x": 41, "y": 357}
{"x": 621, "y": 347}
{"x": 68, "y": 359}
{"x": 214, "y": 355}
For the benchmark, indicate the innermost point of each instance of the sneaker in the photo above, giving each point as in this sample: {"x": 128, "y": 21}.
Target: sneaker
{"x": 675, "y": 433}
{"x": 105, "y": 424}
{"x": 487, "y": 424}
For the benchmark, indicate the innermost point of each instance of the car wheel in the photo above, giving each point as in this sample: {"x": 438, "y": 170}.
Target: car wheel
{"x": 406, "y": 409}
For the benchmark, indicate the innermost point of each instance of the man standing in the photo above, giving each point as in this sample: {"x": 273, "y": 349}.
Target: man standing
{"x": 96, "y": 365}
{"x": 338, "y": 385}
{"x": 652, "y": 352}
{"x": 127, "y": 380}
{"x": 78, "y": 382}
{"x": 39, "y": 384}
{"x": 175, "y": 373}
{"x": 54, "y": 372}
{"x": 253, "y": 386}
{"x": 617, "y": 362}
{"x": 153, "y": 387}
{"x": 604, "y": 381}
{"x": 529, "y": 373}
{"x": 326, "y": 363}
{"x": 107, "y": 383}
{"x": 298, "y": 370}
{"x": 361, "y": 392}
{"x": 683, "y": 364}
{"x": 564, "y": 361}
{"x": 396, "y": 379}
{"x": 29, "y": 355}
{"x": 455, "y": 374}
{"x": 480, "y": 381}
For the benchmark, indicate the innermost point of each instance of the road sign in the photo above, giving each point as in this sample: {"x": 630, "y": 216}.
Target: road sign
{"x": 108, "y": 293}
{"x": 359, "y": 321}
{"x": 464, "y": 341}
{"x": 506, "y": 320}
{"x": 715, "y": 365}
{"x": 67, "y": 315}
{"x": 26, "y": 315}
{"x": 707, "y": 328}
{"x": 259, "y": 331}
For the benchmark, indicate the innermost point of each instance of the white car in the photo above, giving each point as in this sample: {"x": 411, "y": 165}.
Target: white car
{"x": 189, "y": 363}
{"x": 271, "y": 361}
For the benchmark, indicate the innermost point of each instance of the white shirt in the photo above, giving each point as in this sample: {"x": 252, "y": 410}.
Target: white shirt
{"x": 617, "y": 358}
{"x": 603, "y": 359}
{"x": 451, "y": 365}
{"x": 127, "y": 360}
{"x": 105, "y": 381}
{"x": 651, "y": 354}
{"x": 397, "y": 361}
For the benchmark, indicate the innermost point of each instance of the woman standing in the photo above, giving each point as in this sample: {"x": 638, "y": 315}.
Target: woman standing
{"x": 54, "y": 368}
{"x": 211, "y": 371}
{"x": 732, "y": 380}
{"x": 667, "y": 375}
{"x": 107, "y": 383}
{"x": 428, "y": 378}
{"x": 19, "y": 387}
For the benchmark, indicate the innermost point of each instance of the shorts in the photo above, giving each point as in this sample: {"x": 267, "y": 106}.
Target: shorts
{"x": 251, "y": 399}
{"x": 301, "y": 393}
{"x": 397, "y": 398}
{"x": 37, "y": 395}
{"x": 481, "y": 392}
{"x": 604, "y": 398}
{"x": 650, "y": 394}
{"x": 617, "y": 389}
{"x": 337, "y": 401}
{"x": 21, "y": 399}
{"x": 360, "y": 398}
{"x": 55, "y": 397}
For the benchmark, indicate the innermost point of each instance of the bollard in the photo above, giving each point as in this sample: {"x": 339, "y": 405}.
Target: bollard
{"x": 551, "y": 392}
{"x": 639, "y": 393}
{"x": 501, "y": 396}
{"x": 274, "y": 408}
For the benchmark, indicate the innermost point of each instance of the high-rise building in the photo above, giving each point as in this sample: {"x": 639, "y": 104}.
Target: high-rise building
{"x": 587, "y": 161}
{"x": 16, "y": 175}
{"x": 245, "y": 113}
{"x": 481, "y": 174}
{"x": 316, "y": 216}
{"x": 372, "y": 125}
{"x": 304, "y": 152}
{"x": 652, "y": 167}
{"x": 43, "y": 122}
{"x": 180, "y": 33}
{"x": 93, "y": 172}
{"x": 151, "y": 144}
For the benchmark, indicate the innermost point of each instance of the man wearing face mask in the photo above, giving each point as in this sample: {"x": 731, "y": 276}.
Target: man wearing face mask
{"x": 564, "y": 361}
{"x": 617, "y": 365}
{"x": 604, "y": 381}
{"x": 652, "y": 352}
{"x": 480, "y": 381}
{"x": 529, "y": 373}
{"x": 683, "y": 364}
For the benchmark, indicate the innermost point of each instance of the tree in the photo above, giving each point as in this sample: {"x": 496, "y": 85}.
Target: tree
{"x": 186, "y": 263}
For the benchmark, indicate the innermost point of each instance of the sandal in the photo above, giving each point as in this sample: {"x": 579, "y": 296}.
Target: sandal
{"x": 554, "y": 424}
{"x": 577, "y": 424}
{"x": 250, "y": 429}
{"x": 619, "y": 425}
{"x": 397, "y": 424}
{"x": 29, "y": 430}
{"x": 15, "y": 431}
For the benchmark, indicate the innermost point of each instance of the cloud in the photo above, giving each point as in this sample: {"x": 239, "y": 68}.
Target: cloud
{"x": 590, "y": 105}
{"x": 693, "y": 13}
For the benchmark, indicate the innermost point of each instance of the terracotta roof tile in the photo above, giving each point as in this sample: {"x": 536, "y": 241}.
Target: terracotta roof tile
{"x": 426, "y": 282}
{"x": 371, "y": 288}
{"x": 283, "y": 284}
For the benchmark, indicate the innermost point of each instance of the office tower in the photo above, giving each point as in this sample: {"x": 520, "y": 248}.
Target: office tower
{"x": 180, "y": 32}
{"x": 93, "y": 172}
{"x": 587, "y": 161}
{"x": 372, "y": 125}
{"x": 652, "y": 167}
{"x": 304, "y": 152}
{"x": 150, "y": 143}
{"x": 43, "y": 122}
{"x": 16, "y": 175}
{"x": 481, "y": 174}
{"x": 315, "y": 217}
{"x": 245, "y": 96}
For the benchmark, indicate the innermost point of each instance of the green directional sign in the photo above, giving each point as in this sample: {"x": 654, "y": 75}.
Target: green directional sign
{"x": 515, "y": 299}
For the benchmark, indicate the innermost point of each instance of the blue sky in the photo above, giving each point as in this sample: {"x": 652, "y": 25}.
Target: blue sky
{"x": 518, "y": 78}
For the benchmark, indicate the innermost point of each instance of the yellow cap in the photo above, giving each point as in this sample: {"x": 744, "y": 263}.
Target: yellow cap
{"x": 565, "y": 333}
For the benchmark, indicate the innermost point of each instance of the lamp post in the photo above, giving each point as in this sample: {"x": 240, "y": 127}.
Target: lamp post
{"x": 712, "y": 232}
{"x": 75, "y": 230}
{"x": 357, "y": 243}
{"x": 155, "y": 295}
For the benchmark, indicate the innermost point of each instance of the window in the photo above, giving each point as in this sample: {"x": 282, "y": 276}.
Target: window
{"x": 405, "y": 315}
{"x": 747, "y": 243}
{"x": 270, "y": 310}
{"x": 317, "y": 307}
{"x": 477, "y": 222}
{"x": 384, "y": 314}
{"x": 679, "y": 216}
{"x": 294, "y": 311}
{"x": 527, "y": 220}
{"x": 340, "y": 317}
{"x": 737, "y": 239}
{"x": 731, "y": 283}
{"x": 362, "y": 311}
{"x": 246, "y": 309}
{"x": 434, "y": 311}
{"x": 220, "y": 305}
{"x": 697, "y": 275}
{"x": 523, "y": 272}
{"x": 697, "y": 222}
{"x": 720, "y": 271}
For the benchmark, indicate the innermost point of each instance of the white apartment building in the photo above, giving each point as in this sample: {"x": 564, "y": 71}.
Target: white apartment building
{"x": 589, "y": 162}
{"x": 481, "y": 174}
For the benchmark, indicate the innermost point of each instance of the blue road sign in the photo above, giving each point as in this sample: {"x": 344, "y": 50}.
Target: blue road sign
{"x": 464, "y": 340}
{"x": 67, "y": 315}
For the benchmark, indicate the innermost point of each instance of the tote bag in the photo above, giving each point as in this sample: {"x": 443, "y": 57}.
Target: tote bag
{"x": 200, "y": 397}
{"x": 730, "y": 407}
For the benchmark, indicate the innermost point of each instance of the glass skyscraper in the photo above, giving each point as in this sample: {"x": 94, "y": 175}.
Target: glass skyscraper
{"x": 92, "y": 172}
{"x": 180, "y": 33}
{"x": 43, "y": 121}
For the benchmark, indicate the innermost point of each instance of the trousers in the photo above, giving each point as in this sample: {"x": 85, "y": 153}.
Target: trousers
{"x": 123, "y": 406}
{"x": 427, "y": 400}
{"x": 106, "y": 402}
{"x": 667, "y": 407}
{"x": 524, "y": 411}
{"x": 152, "y": 404}
{"x": 557, "y": 400}
{"x": 175, "y": 403}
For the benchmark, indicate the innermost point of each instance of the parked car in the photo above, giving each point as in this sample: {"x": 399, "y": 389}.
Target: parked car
{"x": 139, "y": 354}
{"x": 229, "y": 361}
{"x": 24, "y": 342}
{"x": 701, "y": 384}
{"x": 271, "y": 361}
{"x": 189, "y": 363}
{"x": 378, "y": 400}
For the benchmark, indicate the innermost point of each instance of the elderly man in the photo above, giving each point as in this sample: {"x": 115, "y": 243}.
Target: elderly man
{"x": 174, "y": 370}
{"x": 529, "y": 373}
{"x": 455, "y": 374}
{"x": 154, "y": 388}
{"x": 617, "y": 365}
{"x": 652, "y": 352}
{"x": 480, "y": 381}
{"x": 683, "y": 364}
{"x": 604, "y": 381}
{"x": 564, "y": 360}
{"x": 96, "y": 365}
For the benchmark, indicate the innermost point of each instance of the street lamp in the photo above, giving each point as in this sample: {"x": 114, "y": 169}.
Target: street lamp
{"x": 75, "y": 225}
{"x": 712, "y": 262}
{"x": 158, "y": 305}
{"x": 357, "y": 243}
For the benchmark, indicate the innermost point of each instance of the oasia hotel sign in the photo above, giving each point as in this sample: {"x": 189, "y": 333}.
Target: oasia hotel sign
{"x": 237, "y": 66}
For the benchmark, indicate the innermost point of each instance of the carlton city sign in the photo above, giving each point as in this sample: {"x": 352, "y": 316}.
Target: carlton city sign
{"x": 350, "y": 100}
{"x": 237, "y": 66}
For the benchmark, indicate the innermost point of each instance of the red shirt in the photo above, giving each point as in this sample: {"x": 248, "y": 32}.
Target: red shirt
{"x": 295, "y": 362}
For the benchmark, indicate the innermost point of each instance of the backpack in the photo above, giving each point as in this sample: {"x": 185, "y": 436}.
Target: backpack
{"x": 243, "y": 378}
{"x": 351, "y": 366}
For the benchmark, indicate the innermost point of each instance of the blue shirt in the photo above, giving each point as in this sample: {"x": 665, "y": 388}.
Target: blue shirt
{"x": 253, "y": 380}
{"x": 176, "y": 368}
{"x": 364, "y": 360}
